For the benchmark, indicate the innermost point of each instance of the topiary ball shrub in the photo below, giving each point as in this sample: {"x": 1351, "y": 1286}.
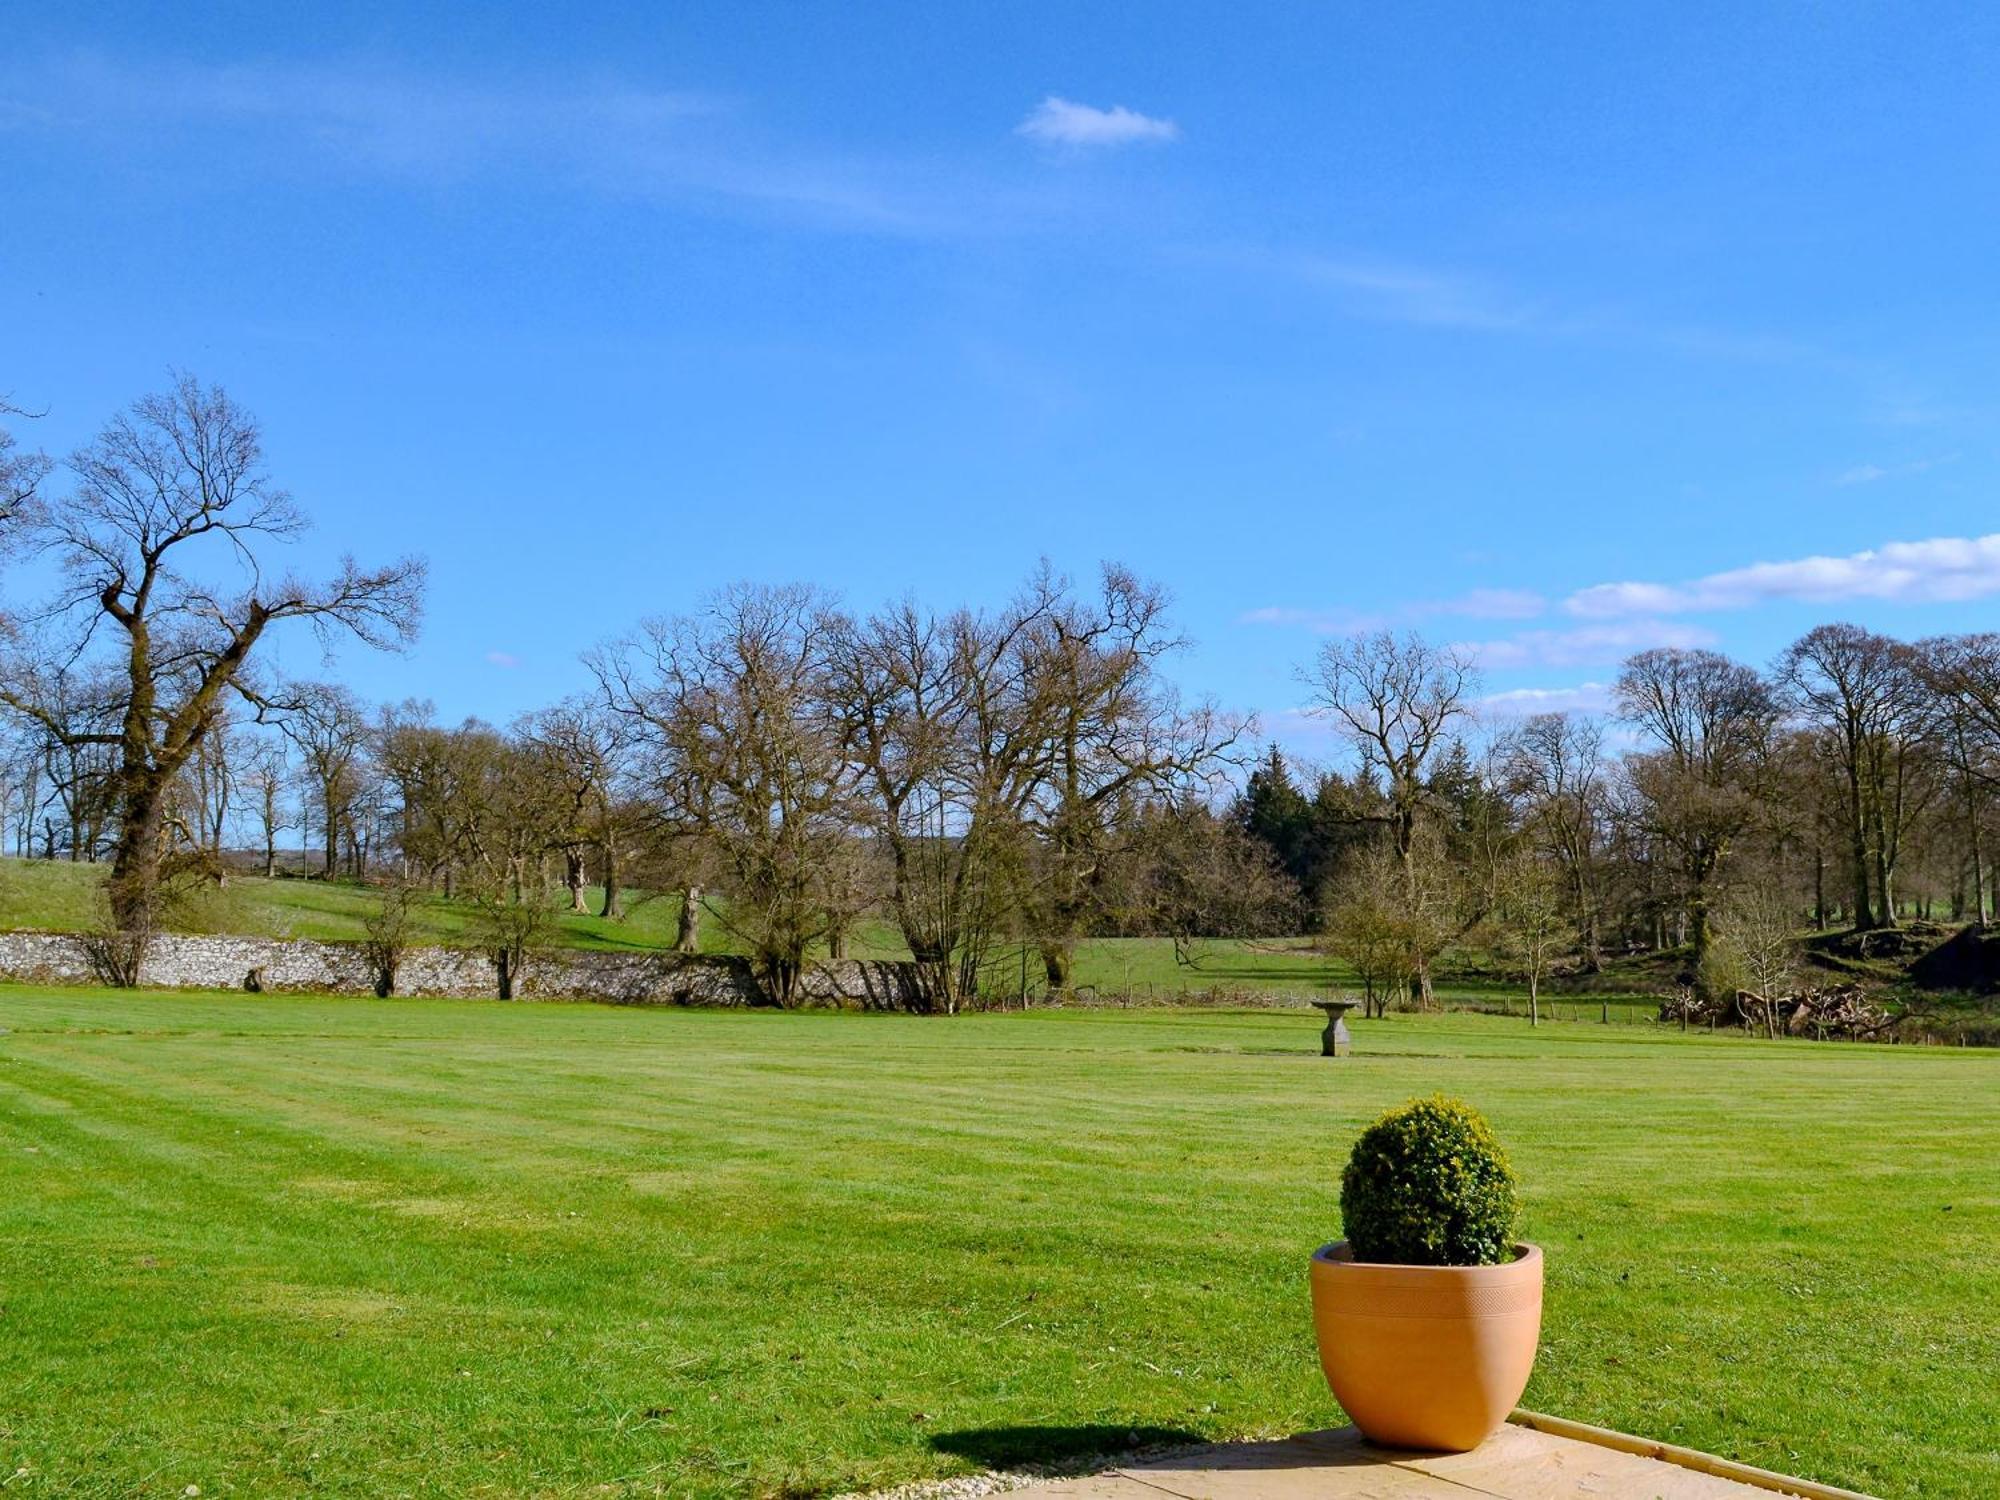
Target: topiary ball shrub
{"x": 1428, "y": 1185}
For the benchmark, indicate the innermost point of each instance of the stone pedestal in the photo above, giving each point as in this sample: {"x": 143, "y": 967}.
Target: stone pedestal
{"x": 1334, "y": 1041}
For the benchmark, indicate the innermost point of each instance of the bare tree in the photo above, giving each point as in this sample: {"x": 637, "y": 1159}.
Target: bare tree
{"x": 1554, "y": 763}
{"x": 210, "y": 781}
{"x": 1758, "y": 936}
{"x": 388, "y": 933}
{"x": 1863, "y": 693}
{"x": 1967, "y": 667}
{"x": 436, "y": 778}
{"x": 328, "y": 728}
{"x": 1395, "y": 700}
{"x": 1387, "y": 925}
{"x": 947, "y": 724}
{"x": 264, "y": 778}
{"x": 1962, "y": 674}
{"x": 177, "y": 481}
{"x": 1198, "y": 878}
{"x": 21, "y": 768}
{"x": 1711, "y": 719}
{"x": 1536, "y": 928}
{"x": 729, "y": 710}
{"x": 1118, "y": 737}
{"x": 72, "y": 733}
{"x": 517, "y": 817}
{"x": 21, "y": 476}
{"x": 580, "y": 745}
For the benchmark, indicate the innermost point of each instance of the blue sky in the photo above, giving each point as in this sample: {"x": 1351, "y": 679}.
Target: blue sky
{"x": 1462, "y": 318}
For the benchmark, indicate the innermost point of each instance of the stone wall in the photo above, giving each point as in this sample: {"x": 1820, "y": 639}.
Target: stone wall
{"x": 272, "y": 964}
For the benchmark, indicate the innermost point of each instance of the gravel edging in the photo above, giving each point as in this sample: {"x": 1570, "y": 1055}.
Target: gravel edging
{"x": 1000, "y": 1481}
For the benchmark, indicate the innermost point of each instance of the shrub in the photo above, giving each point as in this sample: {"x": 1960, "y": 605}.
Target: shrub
{"x": 1428, "y": 1185}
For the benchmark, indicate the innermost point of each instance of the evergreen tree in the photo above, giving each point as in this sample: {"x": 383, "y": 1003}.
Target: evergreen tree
{"x": 1273, "y": 810}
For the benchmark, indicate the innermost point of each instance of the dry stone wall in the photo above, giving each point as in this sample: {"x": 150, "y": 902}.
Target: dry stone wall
{"x": 175, "y": 961}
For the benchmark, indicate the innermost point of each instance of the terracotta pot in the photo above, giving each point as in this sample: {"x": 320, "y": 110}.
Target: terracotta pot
{"x": 1427, "y": 1356}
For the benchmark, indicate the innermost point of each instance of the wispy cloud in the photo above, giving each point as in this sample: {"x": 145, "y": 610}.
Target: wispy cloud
{"x": 1383, "y": 290}
{"x": 1474, "y": 604}
{"x": 1943, "y": 569}
{"x": 1870, "y": 473}
{"x": 601, "y": 136}
{"x": 1585, "y": 645}
{"x": 503, "y": 659}
{"x": 380, "y": 116}
{"x": 1396, "y": 290}
{"x": 1520, "y": 703}
{"x": 1063, "y": 122}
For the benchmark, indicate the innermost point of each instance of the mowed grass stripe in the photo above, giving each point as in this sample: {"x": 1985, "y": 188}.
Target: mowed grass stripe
{"x": 458, "y": 1247}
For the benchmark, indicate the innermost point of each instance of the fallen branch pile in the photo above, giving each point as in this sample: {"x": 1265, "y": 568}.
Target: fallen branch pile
{"x": 1843, "y": 1012}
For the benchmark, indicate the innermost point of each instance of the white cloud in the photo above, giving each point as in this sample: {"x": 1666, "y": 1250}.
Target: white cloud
{"x": 1939, "y": 570}
{"x": 1397, "y": 291}
{"x": 1869, "y": 473}
{"x": 503, "y": 659}
{"x": 594, "y": 135}
{"x": 1063, "y": 122}
{"x": 1494, "y": 604}
{"x": 1586, "y": 645}
{"x": 1298, "y": 722}
{"x": 1474, "y": 604}
{"x": 1388, "y": 292}
{"x": 1519, "y": 703}
{"x": 385, "y": 118}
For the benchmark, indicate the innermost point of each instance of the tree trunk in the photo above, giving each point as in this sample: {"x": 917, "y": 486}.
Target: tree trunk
{"x": 1978, "y": 871}
{"x": 332, "y": 865}
{"x": 609, "y": 906}
{"x": 687, "y": 939}
{"x": 780, "y": 973}
{"x": 573, "y": 878}
{"x": 1885, "y": 889}
{"x": 1697, "y": 936}
{"x": 1857, "y": 852}
{"x": 1058, "y": 962}
{"x": 937, "y": 975}
{"x": 134, "y": 886}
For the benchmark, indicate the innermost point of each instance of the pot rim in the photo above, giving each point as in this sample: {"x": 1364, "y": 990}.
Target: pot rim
{"x": 1330, "y": 1254}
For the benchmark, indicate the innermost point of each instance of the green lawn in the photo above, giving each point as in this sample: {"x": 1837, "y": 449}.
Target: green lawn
{"x": 271, "y": 1246}
{"x": 56, "y": 896}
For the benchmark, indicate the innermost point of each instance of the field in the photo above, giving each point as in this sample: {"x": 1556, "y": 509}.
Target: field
{"x": 55, "y": 896}
{"x": 270, "y": 1246}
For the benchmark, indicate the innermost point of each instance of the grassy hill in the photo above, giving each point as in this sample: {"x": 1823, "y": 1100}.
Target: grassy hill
{"x": 55, "y": 896}
{"x": 259, "y": 1245}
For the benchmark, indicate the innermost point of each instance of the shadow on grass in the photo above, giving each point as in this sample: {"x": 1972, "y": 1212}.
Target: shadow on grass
{"x": 1008, "y": 1447}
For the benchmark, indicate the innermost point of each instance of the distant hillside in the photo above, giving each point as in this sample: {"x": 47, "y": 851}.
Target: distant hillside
{"x": 55, "y": 896}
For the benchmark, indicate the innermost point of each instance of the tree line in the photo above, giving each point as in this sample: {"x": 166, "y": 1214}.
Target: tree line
{"x": 987, "y": 781}
{"x": 1713, "y": 809}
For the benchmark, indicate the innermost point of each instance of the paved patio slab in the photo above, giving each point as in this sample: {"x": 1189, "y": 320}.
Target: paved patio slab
{"x": 1517, "y": 1463}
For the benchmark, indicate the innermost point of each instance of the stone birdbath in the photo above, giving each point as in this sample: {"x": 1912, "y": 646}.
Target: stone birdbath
{"x": 1334, "y": 1041}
